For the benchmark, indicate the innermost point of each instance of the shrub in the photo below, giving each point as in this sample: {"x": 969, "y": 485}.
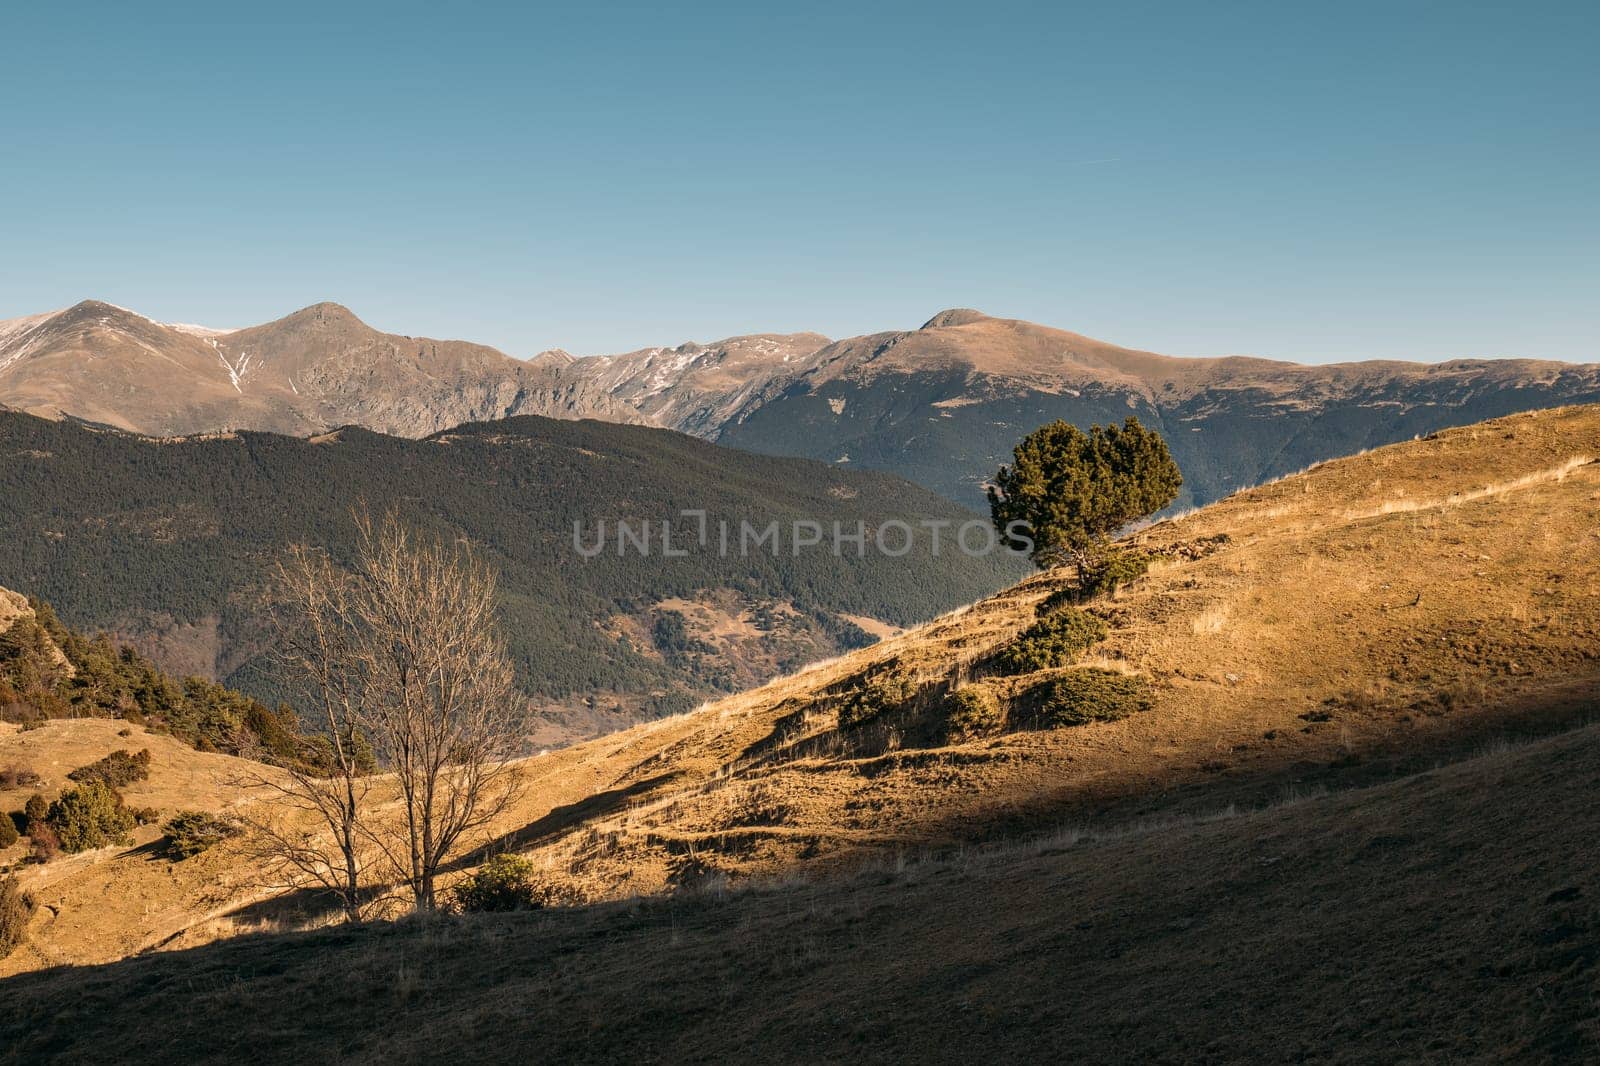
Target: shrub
{"x": 1062, "y": 597}
{"x": 1090, "y": 695}
{"x": 18, "y": 777}
{"x": 508, "y": 883}
{"x": 16, "y": 907}
{"x": 37, "y": 808}
{"x": 43, "y": 844}
{"x": 191, "y": 832}
{"x": 275, "y": 733}
{"x": 1113, "y": 571}
{"x": 888, "y": 690}
{"x": 973, "y": 712}
{"x": 90, "y": 816}
{"x": 8, "y": 832}
{"x": 119, "y": 769}
{"x": 1055, "y": 640}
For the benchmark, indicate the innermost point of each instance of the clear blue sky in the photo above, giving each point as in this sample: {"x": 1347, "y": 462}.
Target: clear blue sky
{"x": 1308, "y": 181}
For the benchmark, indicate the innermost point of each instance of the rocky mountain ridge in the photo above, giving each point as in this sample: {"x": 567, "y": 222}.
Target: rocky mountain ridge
{"x": 941, "y": 404}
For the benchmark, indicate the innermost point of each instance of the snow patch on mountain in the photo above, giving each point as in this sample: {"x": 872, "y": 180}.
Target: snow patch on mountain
{"x": 237, "y": 371}
{"x": 19, "y": 336}
{"x": 198, "y": 331}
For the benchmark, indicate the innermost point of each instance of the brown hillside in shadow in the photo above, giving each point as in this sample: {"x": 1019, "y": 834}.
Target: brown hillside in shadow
{"x": 1449, "y": 916}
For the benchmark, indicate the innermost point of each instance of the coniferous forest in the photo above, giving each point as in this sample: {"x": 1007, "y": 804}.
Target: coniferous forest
{"x": 172, "y": 536}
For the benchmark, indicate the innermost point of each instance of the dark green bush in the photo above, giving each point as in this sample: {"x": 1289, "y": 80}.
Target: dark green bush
{"x": 276, "y": 734}
{"x": 37, "y": 809}
{"x": 1113, "y": 571}
{"x": 90, "y": 816}
{"x": 874, "y": 696}
{"x": 8, "y": 832}
{"x": 119, "y": 769}
{"x": 1089, "y": 695}
{"x": 1062, "y": 597}
{"x": 508, "y": 883}
{"x": 1055, "y": 640}
{"x": 973, "y": 711}
{"x": 191, "y": 832}
{"x": 16, "y": 907}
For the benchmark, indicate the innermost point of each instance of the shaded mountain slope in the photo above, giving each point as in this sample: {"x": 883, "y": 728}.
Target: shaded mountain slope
{"x": 166, "y": 542}
{"x": 1445, "y": 916}
{"x": 943, "y": 405}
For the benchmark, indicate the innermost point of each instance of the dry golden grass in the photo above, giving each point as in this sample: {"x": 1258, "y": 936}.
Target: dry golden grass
{"x": 112, "y": 902}
{"x": 1361, "y": 617}
{"x": 1364, "y": 619}
{"x": 1445, "y": 917}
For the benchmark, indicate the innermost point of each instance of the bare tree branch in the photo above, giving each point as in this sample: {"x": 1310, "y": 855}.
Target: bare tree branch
{"x": 312, "y": 827}
{"x": 442, "y": 711}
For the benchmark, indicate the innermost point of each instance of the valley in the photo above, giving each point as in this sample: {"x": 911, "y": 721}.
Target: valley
{"x": 167, "y": 543}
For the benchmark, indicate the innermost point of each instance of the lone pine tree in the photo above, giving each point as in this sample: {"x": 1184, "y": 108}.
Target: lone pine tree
{"x": 1073, "y": 489}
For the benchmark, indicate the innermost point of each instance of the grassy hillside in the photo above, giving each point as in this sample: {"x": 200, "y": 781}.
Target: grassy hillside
{"x": 1347, "y": 675}
{"x": 112, "y": 902}
{"x": 1338, "y": 627}
{"x": 166, "y": 542}
{"x": 1270, "y": 936}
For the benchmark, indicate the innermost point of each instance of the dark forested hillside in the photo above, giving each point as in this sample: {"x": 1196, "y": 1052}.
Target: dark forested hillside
{"x": 166, "y": 543}
{"x": 49, "y": 671}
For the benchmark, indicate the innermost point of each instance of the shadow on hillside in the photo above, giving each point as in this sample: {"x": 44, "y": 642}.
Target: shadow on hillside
{"x": 295, "y": 908}
{"x": 1187, "y": 947}
{"x": 314, "y": 905}
{"x": 158, "y": 850}
{"x": 560, "y": 819}
{"x": 1266, "y": 774}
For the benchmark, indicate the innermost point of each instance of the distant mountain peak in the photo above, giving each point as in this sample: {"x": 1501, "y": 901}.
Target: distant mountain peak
{"x": 955, "y": 316}
{"x": 102, "y": 309}
{"x": 325, "y": 311}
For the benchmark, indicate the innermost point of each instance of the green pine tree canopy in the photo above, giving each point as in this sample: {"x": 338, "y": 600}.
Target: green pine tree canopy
{"x": 1074, "y": 489}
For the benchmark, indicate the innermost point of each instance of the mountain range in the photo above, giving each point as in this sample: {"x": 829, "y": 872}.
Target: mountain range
{"x": 941, "y": 405}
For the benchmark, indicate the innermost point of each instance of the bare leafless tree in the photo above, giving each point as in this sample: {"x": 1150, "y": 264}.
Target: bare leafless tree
{"x": 312, "y": 829}
{"x": 439, "y": 705}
